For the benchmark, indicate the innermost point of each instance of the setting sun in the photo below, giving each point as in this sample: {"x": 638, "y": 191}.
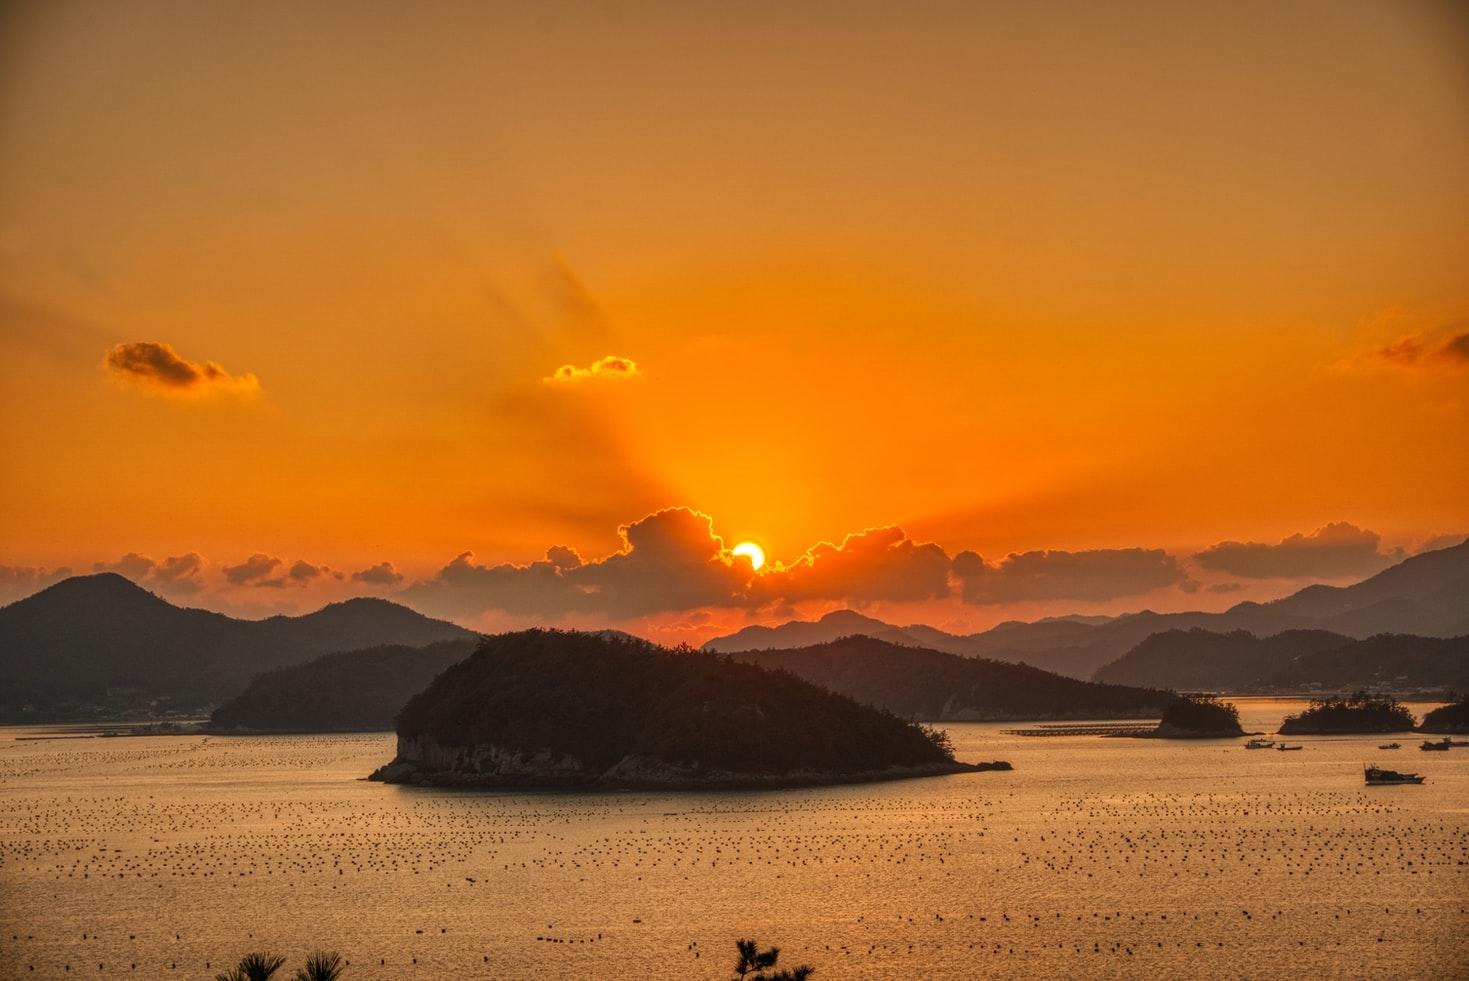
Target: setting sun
{"x": 755, "y": 553}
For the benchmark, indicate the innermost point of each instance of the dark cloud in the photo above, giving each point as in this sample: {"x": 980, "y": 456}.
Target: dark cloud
{"x": 1456, "y": 349}
{"x": 382, "y": 574}
{"x": 1335, "y": 551}
{"x": 1226, "y": 587}
{"x": 1446, "y": 347}
{"x": 302, "y": 572}
{"x": 18, "y": 581}
{"x": 1100, "y": 574}
{"x": 159, "y": 367}
{"x": 872, "y": 565}
{"x": 179, "y": 575}
{"x": 670, "y": 560}
{"x": 254, "y": 571}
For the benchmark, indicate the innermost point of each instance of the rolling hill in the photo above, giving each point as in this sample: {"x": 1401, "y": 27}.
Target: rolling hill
{"x": 345, "y": 691}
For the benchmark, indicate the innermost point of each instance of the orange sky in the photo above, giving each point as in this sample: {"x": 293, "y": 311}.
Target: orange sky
{"x": 1069, "y": 276}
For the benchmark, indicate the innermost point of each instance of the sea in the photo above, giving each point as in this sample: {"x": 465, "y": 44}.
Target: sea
{"x": 1095, "y": 857}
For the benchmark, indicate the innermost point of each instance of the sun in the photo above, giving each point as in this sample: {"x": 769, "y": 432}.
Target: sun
{"x": 755, "y": 553}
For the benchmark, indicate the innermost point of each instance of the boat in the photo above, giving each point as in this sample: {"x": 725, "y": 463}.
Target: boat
{"x": 1378, "y": 777}
{"x": 1259, "y": 744}
{"x": 1285, "y": 749}
{"x": 1391, "y": 746}
{"x": 1442, "y": 744}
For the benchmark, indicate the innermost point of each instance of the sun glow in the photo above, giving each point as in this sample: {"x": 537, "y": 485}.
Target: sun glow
{"x": 755, "y": 553}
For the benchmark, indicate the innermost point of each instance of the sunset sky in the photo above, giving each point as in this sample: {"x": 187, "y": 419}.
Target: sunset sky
{"x": 304, "y": 301}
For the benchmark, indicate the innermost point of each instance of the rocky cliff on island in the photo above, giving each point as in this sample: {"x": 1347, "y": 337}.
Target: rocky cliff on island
{"x": 545, "y": 708}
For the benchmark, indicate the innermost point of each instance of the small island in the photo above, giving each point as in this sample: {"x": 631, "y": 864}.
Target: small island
{"x": 1452, "y": 718}
{"x": 547, "y": 708}
{"x": 1199, "y": 717}
{"x": 1359, "y": 712}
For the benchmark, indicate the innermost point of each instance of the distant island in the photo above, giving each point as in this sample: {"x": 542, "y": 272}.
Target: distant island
{"x": 544, "y": 708}
{"x": 916, "y": 683}
{"x": 1453, "y": 718}
{"x": 1359, "y": 712}
{"x": 1199, "y": 717}
{"x": 350, "y": 691}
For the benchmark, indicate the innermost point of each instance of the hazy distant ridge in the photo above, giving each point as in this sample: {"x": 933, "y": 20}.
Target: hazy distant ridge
{"x": 64, "y": 648}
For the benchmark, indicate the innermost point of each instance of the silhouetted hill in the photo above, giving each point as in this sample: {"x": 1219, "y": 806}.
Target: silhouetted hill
{"x": 1426, "y": 594}
{"x": 1291, "y": 661}
{"x": 1386, "y": 661}
{"x": 549, "y": 708}
{"x": 924, "y": 684}
{"x": 1203, "y": 660}
{"x": 349, "y": 690}
{"x": 1453, "y": 717}
{"x": 62, "y": 649}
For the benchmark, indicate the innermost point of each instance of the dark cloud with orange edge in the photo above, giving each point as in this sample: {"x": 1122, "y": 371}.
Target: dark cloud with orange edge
{"x": 672, "y": 561}
{"x": 158, "y": 367}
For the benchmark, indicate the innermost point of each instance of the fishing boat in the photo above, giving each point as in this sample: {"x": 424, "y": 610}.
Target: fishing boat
{"x": 1259, "y": 744}
{"x": 1442, "y": 744}
{"x": 1391, "y": 746}
{"x": 1287, "y": 749}
{"x": 1378, "y": 777}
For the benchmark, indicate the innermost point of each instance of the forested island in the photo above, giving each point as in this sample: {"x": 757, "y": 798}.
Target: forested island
{"x": 1359, "y": 712}
{"x": 1451, "y": 718}
{"x": 1199, "y": 717}
{"x": 563, "y": 709}
{"x": 345, "y": 692}
{"x": 917, "y": 683}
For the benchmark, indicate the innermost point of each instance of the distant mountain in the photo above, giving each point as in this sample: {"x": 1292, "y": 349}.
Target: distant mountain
{"x": 917, "y": 683}
{"x": 1201, "y": 660}
{"x": 1426, "y": 594}
{"x": 91, "y": 645}
{"x": 1291, "y": 661}
{"x": 558, "y": 708}
{"x": 349, "y": 690}
{"x": 839, "y": 623}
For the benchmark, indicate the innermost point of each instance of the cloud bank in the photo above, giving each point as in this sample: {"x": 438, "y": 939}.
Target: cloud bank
{"x": 1332, "y": 552}
{"x": 1099, "y": 574}
{"x": 159, "y": 368}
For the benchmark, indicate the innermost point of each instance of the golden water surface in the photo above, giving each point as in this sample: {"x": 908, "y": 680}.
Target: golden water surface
{"x": 164, "y": 857}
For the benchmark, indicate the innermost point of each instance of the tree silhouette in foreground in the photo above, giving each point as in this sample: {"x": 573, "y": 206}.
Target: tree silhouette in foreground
{"x": 324, "y": 965}
{"x": 253, "y": 967}
{"x": 753, "y": 959}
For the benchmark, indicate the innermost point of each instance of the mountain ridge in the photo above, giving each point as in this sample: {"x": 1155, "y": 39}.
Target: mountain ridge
{"x": 102, "y": 642}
